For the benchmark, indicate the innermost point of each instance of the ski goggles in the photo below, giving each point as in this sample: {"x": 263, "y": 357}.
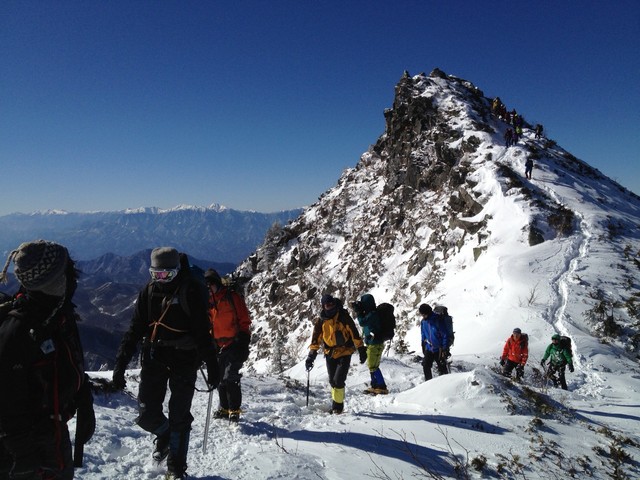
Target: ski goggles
{"x": 163, "y": 275}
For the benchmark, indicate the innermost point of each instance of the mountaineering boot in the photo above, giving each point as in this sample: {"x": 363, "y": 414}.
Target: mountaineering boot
{"x": 378, "y": 386}
{"x": 234, "y": 416}
{"x": 377, "y": 390}
{"x": 161, "y": 449}
{"x": 175, "y": 476}
{"x": 221, "y": 413}
{"x": 336, "y": 408}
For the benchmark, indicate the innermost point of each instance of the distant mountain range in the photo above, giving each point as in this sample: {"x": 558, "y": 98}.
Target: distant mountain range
{"x": 215, "y": 233}
{"x": 112, "y": 250}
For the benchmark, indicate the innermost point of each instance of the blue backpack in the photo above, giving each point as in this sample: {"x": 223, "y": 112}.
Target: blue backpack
{"x": 447, "y": 321}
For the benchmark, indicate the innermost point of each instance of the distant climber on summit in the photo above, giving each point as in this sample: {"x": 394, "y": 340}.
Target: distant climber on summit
{"x": 528, "y": 168}
{"x": 508, "y": 138}
{"x": 539, "y": 129}
{"x": 495, "y": 106}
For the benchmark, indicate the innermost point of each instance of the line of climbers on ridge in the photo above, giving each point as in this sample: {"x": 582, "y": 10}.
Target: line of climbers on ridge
{"x": 181, "y": 322}
{"x": 511, "y": 136}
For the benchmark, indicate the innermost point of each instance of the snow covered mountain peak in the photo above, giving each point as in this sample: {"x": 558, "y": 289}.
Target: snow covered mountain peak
{"x": 439, "y": 211}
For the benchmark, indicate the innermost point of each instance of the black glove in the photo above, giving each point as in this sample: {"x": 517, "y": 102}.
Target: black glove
{"x": 502, "y": 362}
{"x": 26, "y": 467}
{"x": 118, "y": 381}
{"x": 243, "y": 346}
{"x": 362, "y": 351}
{"x": 310, "y": 359}
{"x": 213, "y": 375}
{"x": 571, "y": 367}
{"x": 542, "y": 363}
{"x": 85, "y": 416}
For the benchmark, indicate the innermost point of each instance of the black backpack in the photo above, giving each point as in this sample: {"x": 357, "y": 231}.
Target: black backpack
{"x": 387, "y": 321}
{"x": 565, "y": 343}
{"x": 447, "y": 321}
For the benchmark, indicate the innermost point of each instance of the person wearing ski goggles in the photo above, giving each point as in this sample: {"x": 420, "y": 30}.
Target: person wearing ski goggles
{"x": 163, "y": 275}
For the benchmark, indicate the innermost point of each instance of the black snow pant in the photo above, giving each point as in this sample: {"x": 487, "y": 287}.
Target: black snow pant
{"x": 52, "y": 444}
{"x": 556, "y": 374}
{"x": 338, "y": 369}
{"x": 508, "y": 368}
{"x": 427, "y": 364}
{"x": 178, "y": 369}
{"x": 229, "y": 390}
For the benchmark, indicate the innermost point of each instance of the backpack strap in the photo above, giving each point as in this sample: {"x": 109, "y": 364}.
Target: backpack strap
{"x": 158, "y": 323}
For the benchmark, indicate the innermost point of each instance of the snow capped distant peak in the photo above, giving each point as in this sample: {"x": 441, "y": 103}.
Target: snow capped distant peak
{"x": 50, "y": 212}
{"x": 183, "y": 207}
{"x": 179, "y": 208}
{"x": 217, "y": 207}
{"x": 141, "y": 210}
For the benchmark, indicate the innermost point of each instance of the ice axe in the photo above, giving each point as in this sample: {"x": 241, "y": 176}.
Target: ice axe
{"x": 308, "y": 375}
{"x": 208, "y": 419}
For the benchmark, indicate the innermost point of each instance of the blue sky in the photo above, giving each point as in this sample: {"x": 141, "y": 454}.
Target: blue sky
{"x": 260, "y": 105}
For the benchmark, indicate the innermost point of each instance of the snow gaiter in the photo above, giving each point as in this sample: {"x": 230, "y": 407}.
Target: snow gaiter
{"x": 178, "y": 447}
{"x": 337, "y": 395}
{"x": 234, "y": 395}
{"x": 377, "y": 380}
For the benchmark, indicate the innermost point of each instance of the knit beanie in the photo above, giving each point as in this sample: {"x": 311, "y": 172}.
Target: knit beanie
{"x": 165, "y": 258}
{"x": 40, "y": 266}
{"x": 327, "y": 300}
{"x": 425, "y": 309}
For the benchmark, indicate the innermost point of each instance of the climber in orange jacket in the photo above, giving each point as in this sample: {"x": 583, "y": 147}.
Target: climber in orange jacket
{"x": 515, "y": 353}
{"x": 231, "y": 331}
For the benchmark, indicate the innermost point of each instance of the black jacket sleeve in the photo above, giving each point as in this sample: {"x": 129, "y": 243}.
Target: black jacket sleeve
{"x": 137, "y": 330}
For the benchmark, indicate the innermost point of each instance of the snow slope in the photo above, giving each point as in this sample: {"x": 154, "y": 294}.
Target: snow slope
{"x": 422, "y": 430}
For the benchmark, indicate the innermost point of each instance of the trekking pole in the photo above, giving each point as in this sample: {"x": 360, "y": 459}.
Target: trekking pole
{"x": 308, "y": 375}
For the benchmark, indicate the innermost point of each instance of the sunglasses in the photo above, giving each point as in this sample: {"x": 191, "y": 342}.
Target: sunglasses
{"x": 163, "y": 275}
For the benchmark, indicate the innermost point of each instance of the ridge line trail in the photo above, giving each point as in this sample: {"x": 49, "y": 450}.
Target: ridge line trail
{"x": 578, "y": 249}
{"x": 573, "y": 250}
